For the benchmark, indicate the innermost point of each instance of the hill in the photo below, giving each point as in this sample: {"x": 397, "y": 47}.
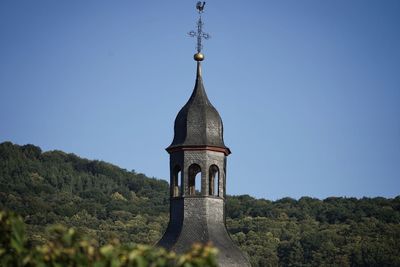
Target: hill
{"x": 107, "y": 202}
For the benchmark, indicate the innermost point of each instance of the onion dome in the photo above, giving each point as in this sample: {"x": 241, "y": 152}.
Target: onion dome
{"x": 198, "y": 124}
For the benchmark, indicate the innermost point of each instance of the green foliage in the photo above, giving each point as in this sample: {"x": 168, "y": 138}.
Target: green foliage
{"x": 311, "y": 232}
{"x": 12, "y": 239}
{"x": 100, "y": 199}
{"x": 105, "y": 203}
{"x": 67, "y": 247}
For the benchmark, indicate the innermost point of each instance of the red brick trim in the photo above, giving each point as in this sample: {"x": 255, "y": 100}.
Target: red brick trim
{"x": 226, "y": 150}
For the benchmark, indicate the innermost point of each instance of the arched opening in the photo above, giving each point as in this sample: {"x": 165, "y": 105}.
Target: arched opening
{"x": 176, "y": 182}
{"x": 213, "y": 182}
{"x": 194, "y": 170}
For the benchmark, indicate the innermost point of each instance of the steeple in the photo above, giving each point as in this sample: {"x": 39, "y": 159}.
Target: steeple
{"x": 198, "y": 155}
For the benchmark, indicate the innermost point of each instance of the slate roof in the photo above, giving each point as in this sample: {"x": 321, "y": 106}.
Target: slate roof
{"x": 198, "y": 123}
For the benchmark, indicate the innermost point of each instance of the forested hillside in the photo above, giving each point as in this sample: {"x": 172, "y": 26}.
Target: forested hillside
{"x": 107, "y": 202}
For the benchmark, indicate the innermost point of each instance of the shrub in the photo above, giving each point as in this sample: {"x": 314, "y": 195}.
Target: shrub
{"x": 67, "y": 247}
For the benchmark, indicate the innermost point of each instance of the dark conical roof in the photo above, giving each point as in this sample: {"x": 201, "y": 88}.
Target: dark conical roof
{"x": 198, "y": 123}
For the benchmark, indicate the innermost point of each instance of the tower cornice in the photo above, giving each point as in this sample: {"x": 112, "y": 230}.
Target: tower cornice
{"x": 173, "y": 149}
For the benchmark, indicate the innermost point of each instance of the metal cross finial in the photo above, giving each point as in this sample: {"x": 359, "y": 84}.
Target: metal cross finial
{"x": 199, "y": 34}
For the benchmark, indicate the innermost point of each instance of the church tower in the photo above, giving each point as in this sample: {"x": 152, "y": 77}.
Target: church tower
{"x": 198, "y": 157}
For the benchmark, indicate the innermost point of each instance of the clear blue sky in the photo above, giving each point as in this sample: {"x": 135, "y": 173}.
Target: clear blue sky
{"x": 309, "y": 91}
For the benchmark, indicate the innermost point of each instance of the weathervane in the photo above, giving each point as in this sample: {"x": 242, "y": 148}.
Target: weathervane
{"x": 199, "y": 34}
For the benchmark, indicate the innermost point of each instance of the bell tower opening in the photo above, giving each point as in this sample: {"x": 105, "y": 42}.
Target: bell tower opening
{"x": 176, "y": 188}
{"x": 194, "y": 174}
{"x": 213, "y": 182}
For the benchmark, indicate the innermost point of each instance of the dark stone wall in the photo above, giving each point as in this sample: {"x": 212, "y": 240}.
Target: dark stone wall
{"x": 199, "y": 219}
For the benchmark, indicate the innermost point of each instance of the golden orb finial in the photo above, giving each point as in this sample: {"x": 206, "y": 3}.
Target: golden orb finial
{"x": 198, "y": 57}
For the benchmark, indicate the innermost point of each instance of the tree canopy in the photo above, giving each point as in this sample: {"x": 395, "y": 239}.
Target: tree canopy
{"x": 106, "y": 202}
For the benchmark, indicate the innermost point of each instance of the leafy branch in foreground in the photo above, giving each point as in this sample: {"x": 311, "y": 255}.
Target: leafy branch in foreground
{"x": 67, "y": 247}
